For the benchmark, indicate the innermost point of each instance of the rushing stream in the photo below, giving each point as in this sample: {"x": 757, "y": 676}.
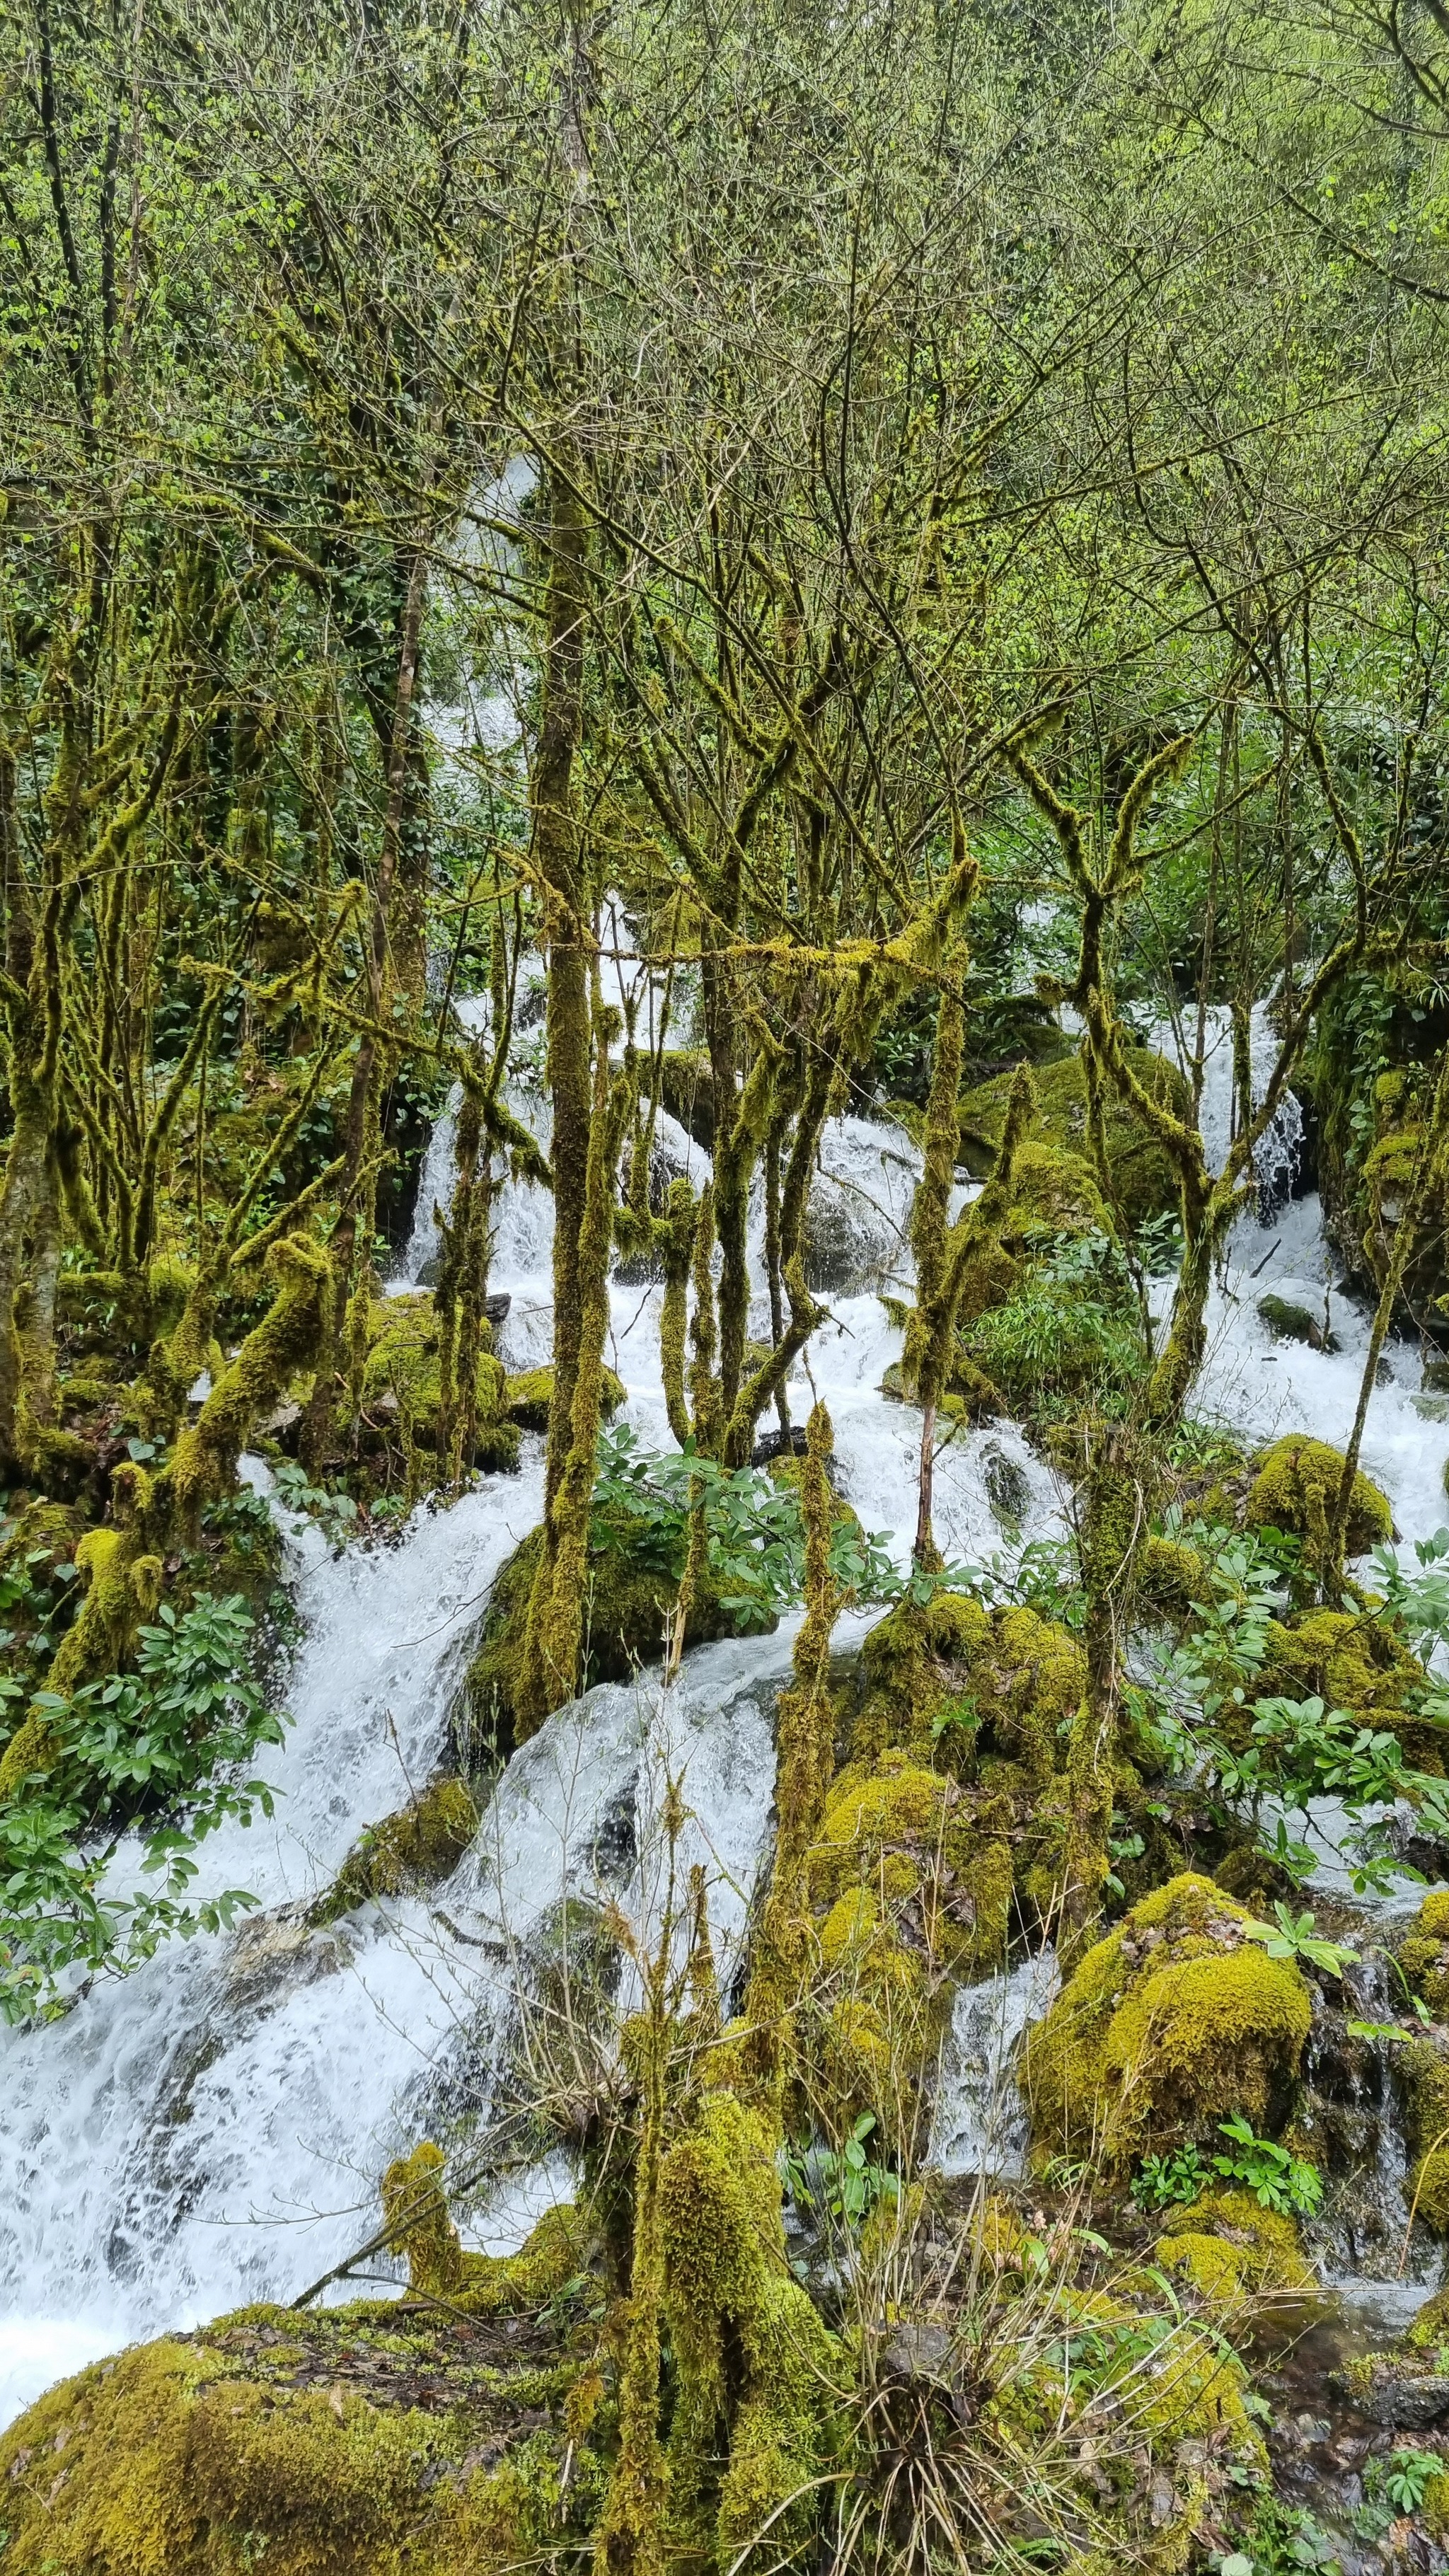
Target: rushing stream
{"x": 212, "y": 2129}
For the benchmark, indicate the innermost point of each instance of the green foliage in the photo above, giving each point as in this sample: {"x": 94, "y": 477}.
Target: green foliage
{"x": 160, "y": 1748}
{"x": 336, "y": 1515}
{"x": 1277, "y": 2178}
{"x": 1069, "y": 1333}
{"x": 1403, "y": 2477}
{"x": 844, "y": 2185}
{"x": 1176, "y": 2180}
{"x": 1292, "y": 1936}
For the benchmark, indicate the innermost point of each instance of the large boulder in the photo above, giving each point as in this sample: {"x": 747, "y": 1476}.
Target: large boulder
{"x": 1175, "y": 2021}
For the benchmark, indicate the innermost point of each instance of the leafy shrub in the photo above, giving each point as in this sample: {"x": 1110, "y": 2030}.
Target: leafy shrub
{"x": 844, "y": 2186}
{"x": 1278, "y": 2179}
{"x": 163, "y": 1744}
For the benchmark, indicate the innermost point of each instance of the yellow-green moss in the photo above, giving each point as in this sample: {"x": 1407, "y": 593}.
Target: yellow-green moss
{"x": 402, "y": 1375}
{"x": 757, "y": 2368}
{"x": 1423, "y": 1953}
{"x": 1168, "y": 2026}
{"x": 1296, "y": 1487}
{"x": 1231, "y": 2250}
{"x": 526, "y": 1398}
{"x": 1143, "y": 1180}
{"x": 353, "y": 2443}
{"x": 421, "y": 1844}
{"x": 415, "y": 2210}
{"x": 1170, "y": 1577}
{"x": 1352, "y": 1661}
{"x": 1422, "y": 2070}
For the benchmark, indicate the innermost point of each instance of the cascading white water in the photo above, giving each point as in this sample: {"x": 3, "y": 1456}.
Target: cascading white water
{"x": 213, "y": 2129}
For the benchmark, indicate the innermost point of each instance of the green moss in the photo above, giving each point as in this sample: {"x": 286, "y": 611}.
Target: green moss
{"x": 1422, "y": 2071}
{"x": 1290, "y": 1322}
{"x": 1143, "y": 1181}
{"x": 686, "y": 1088}
{"x": 1423, "y": 1952}
{"x": 402, "y": 1380}
{"x": 1233, "y": 2251}
{"x": 527, "y": 1397}
{"x": 1168, "y": 2026}
{"x": 1352, "y": 1661}
{"x": 624, "y": 1614}
{"x": 1296, "y": 1489}
{"x": 356, "y": 2442}
{"x": 421, "y": 1844}
{"x": 757, "y": 2370}
{"x": 415, "y": 2211}
{"x": 1170, "y": 1577}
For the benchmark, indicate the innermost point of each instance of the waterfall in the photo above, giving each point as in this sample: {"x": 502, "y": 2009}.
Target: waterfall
{"x": 212, "y": 2129}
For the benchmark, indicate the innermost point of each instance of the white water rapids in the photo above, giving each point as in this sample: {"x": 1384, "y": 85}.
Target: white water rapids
{"x": 212, "y": 2129}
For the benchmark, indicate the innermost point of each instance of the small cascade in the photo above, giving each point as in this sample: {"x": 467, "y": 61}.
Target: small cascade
{"x": 1355, "y": 2120}
{"x": 980, "y": 2124}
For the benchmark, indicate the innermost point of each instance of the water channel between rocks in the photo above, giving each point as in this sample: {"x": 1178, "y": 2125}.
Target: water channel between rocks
{"x": 211, "y": 2130}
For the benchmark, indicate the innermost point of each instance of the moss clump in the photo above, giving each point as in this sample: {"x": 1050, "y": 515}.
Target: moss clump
{"x": 402, "y": 1381}
{"x": 686, "y": 1088}
{"x": 1169, "y": 2025}
{"x": 415, "y": 2211}
{"x": 1143, "y": 1181}
{"x": 1287, "y": 1321}
{"x": 1422, "y": 2070}
{"x": 527, "y": 1397}
{"x": 1171, "y": 1577}
{"x": 415, "y": 1848}
{"x": 1232, "y": 2251}
{"x": 361, "y": 2441}
{"x": 1296, "y": 1487}
{"x": 1353, "y": 1661}
{"x": 988, "y": 1697}
{"x": 751, "y": 2432}
{"x": 1423, "y": 1953}
{"x": 626, "y": 1603}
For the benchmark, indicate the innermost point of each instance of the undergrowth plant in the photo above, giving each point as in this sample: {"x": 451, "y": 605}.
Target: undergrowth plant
{"x": 145, "y": 1767}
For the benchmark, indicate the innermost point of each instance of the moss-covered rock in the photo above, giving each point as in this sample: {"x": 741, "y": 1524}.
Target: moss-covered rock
{"x": 1295, "y": 1488}
{"x": 686, "y": 1088}
{"x": 526, "y": 1398}
{"x": 1234, "y": 2252}
{"x": 381, "y": 2439}
{"x": 413, "y": 1849}
{"x": 1422, "y": 2072}
{"x": 1423, "y": 1953}
{"x": 1172, "y": 2023}
{"x": 402, "y": 1382}
{"x": 624, "y": 1615}
{"x": 1288, "y": 1321}
{"x": 1142, "y": 1176}
{"x": 1352, "y": 1661}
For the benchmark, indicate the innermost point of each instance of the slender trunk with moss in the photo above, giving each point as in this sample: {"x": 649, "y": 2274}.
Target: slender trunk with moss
{"x": 559, "y": 863}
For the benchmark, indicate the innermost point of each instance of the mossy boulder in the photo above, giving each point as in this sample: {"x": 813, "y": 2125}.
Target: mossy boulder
{"x": 1143, "y": 1182}
{"x": 1233, "y": 2252}
{"x": 1172, "y": 2023}
{"x": 402, "y": 1382}
{"x": 1421, "y": 2070}
{"x": 1288, "y": 1321}
{"x": 416, "y": 1848}
{"x": 526, "y": 1398}
{"x": 379, "y": 2439}
{"x": 986, "y": 1697}
{"x": 624, "y": 1613}
{"x": 1423, "y": 1954}
{"x": 1295, "y": 1488}
{"x": 1352, "y": 1661}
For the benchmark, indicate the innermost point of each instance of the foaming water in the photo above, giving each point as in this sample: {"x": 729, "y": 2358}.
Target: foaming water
{"x": 212, "y": 2130}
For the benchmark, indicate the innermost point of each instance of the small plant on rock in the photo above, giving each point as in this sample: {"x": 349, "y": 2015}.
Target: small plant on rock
{"x": 1169, "y": 2182}
{"x": 1277, "y": 2178}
